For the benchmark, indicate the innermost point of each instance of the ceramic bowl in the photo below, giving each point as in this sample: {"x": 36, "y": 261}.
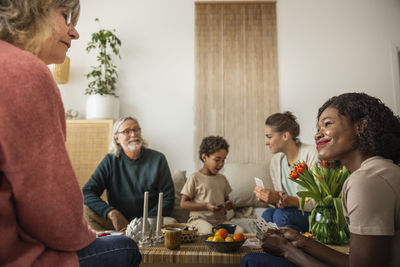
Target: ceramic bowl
{"x": 224, "y": 247}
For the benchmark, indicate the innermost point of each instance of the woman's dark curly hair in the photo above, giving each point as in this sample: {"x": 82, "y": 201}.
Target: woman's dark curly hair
{"x": 211, "y": 144}
{"x": 381, "y": 134}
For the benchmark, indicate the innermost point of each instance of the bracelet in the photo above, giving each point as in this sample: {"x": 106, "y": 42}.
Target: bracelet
{"x": 282, "y": 199}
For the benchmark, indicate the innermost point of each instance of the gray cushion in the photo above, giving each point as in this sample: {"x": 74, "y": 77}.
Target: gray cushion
{"x": 179, "y": 179}
{"x": 241, "y": 178}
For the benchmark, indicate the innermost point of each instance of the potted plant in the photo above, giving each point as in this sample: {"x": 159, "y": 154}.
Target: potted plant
{"x": 102, "y": 101}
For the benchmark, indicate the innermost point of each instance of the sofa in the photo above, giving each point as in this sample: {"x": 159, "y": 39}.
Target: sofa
{"x": 241, "y": 178}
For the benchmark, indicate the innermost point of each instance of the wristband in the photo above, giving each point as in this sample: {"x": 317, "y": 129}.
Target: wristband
{"x": 282, "y": 199}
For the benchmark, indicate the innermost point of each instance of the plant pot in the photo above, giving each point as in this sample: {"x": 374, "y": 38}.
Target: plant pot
{"x": 100, "y": 107}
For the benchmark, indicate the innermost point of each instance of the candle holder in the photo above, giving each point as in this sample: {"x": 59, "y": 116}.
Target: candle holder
{"x": 158, "y": 238}
{"x": 144, "y": 239}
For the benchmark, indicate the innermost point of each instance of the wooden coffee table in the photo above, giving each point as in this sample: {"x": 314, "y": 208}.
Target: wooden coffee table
{"x": 195, "y": 254}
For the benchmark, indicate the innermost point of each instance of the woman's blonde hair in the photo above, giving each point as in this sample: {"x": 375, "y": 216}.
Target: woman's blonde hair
{"x": 27, "y": 24}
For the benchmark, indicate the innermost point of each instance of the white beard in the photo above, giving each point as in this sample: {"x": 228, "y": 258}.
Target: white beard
{"x": 132, "y": 146}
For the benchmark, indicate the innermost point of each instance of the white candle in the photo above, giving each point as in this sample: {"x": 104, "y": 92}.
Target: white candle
{"x": 159, "y": 213}
{"x": 145, "y": 210}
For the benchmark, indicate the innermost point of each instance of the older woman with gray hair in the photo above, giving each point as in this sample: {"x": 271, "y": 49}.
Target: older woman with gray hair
{"x": 42, "y": 221}
{"x": 126, "y": 172}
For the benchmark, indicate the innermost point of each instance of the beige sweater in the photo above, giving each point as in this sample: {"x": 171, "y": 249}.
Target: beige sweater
{"x": 41, "y": 204}
{"x": 307, "y": 153}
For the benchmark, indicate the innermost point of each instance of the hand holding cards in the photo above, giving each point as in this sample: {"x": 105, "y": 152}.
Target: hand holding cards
{"x": 227, "y": 205}
{"x": 221, "y": 205}
{"x": 264, "y": 227}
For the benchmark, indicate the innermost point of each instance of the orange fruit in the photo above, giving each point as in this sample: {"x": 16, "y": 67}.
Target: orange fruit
{"x": 228, "y": 239}
{"x": 218, "y": 239}
{"x": 210, "y": 238}
{"x": 222, "y": 233}
{"x": 238, "y": 237}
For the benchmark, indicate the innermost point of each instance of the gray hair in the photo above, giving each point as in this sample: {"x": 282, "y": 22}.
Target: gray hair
{"x": 115, "y": 148}
{"x": 27, "y": 24}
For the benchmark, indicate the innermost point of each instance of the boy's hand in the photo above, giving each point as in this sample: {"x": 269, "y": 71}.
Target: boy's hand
{"x": 229, "y": 205}
{"x": 213, "y": 207}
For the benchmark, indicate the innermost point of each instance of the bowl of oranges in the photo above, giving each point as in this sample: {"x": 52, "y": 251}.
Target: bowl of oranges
{"x": 223, "y": 241}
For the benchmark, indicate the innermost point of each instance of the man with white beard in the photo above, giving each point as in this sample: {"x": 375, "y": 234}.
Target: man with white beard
{"x": 126, "y": 172}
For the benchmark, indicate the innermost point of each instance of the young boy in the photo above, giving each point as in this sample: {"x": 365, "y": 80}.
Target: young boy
{"x": 205, "y": 193}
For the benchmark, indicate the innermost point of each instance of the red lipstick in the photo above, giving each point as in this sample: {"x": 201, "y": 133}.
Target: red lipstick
{"x": 323, "y": 142}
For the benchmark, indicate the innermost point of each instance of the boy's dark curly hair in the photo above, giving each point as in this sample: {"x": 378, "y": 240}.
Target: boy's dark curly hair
{"x": 381, "y": 135}
{"x": 211, "y": 144}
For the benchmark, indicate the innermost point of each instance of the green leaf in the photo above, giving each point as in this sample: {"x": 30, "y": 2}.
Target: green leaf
{"x": 339, "y": 213}
{"x": 302, "y": 202}
{"x": 301, "y": 183}
{"x": 308, "y": 177}
{"x": 305, "y": 194}
{"x": 328, "y": 200}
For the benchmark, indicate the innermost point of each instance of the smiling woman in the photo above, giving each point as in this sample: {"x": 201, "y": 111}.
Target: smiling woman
{"x": 335, "y": 136}
{"x": 361, "y": 132}
{"x": 42, "y": 222}
{"x": 368, "y": 124}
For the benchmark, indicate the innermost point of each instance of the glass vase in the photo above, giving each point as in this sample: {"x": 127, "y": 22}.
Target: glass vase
{"x": 325, "y": 227}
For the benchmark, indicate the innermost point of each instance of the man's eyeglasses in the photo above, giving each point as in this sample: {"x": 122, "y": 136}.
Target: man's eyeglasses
{"x": 130, "y": 131}
{"x": 68, "y": 17}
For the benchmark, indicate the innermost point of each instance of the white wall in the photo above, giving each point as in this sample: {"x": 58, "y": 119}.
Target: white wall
{"x": 156, "y": 73}
{"x": 325, "y": 48}
{"x": 331, "y": 47}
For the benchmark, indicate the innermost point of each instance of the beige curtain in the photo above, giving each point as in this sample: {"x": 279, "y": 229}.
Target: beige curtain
{"x": 236, "y": 75}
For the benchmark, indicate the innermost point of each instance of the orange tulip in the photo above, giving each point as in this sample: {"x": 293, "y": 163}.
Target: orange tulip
{"x": 293, "y": 174}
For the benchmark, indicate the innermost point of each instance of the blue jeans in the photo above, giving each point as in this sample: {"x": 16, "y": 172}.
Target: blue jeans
{"x": 289, "y": 217}
{"x": 112, "y": 251}
{"x": 264, "y": 259}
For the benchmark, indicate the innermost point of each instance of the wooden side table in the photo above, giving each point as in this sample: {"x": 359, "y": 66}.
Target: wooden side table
{"x": 87, "y": 144}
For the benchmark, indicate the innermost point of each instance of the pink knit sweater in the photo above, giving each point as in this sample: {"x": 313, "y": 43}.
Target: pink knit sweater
{"x": 41, "y": 205}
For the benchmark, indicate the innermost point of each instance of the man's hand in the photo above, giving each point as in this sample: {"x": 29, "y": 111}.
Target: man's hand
{"x": 118, "y": 220}
{"x": 213, "y": 207}
{"x": 266, "y": 195}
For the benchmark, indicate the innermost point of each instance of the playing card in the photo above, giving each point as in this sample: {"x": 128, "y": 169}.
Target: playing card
{"x": 263, "y": 226}
{"x": 259, "y": 182}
